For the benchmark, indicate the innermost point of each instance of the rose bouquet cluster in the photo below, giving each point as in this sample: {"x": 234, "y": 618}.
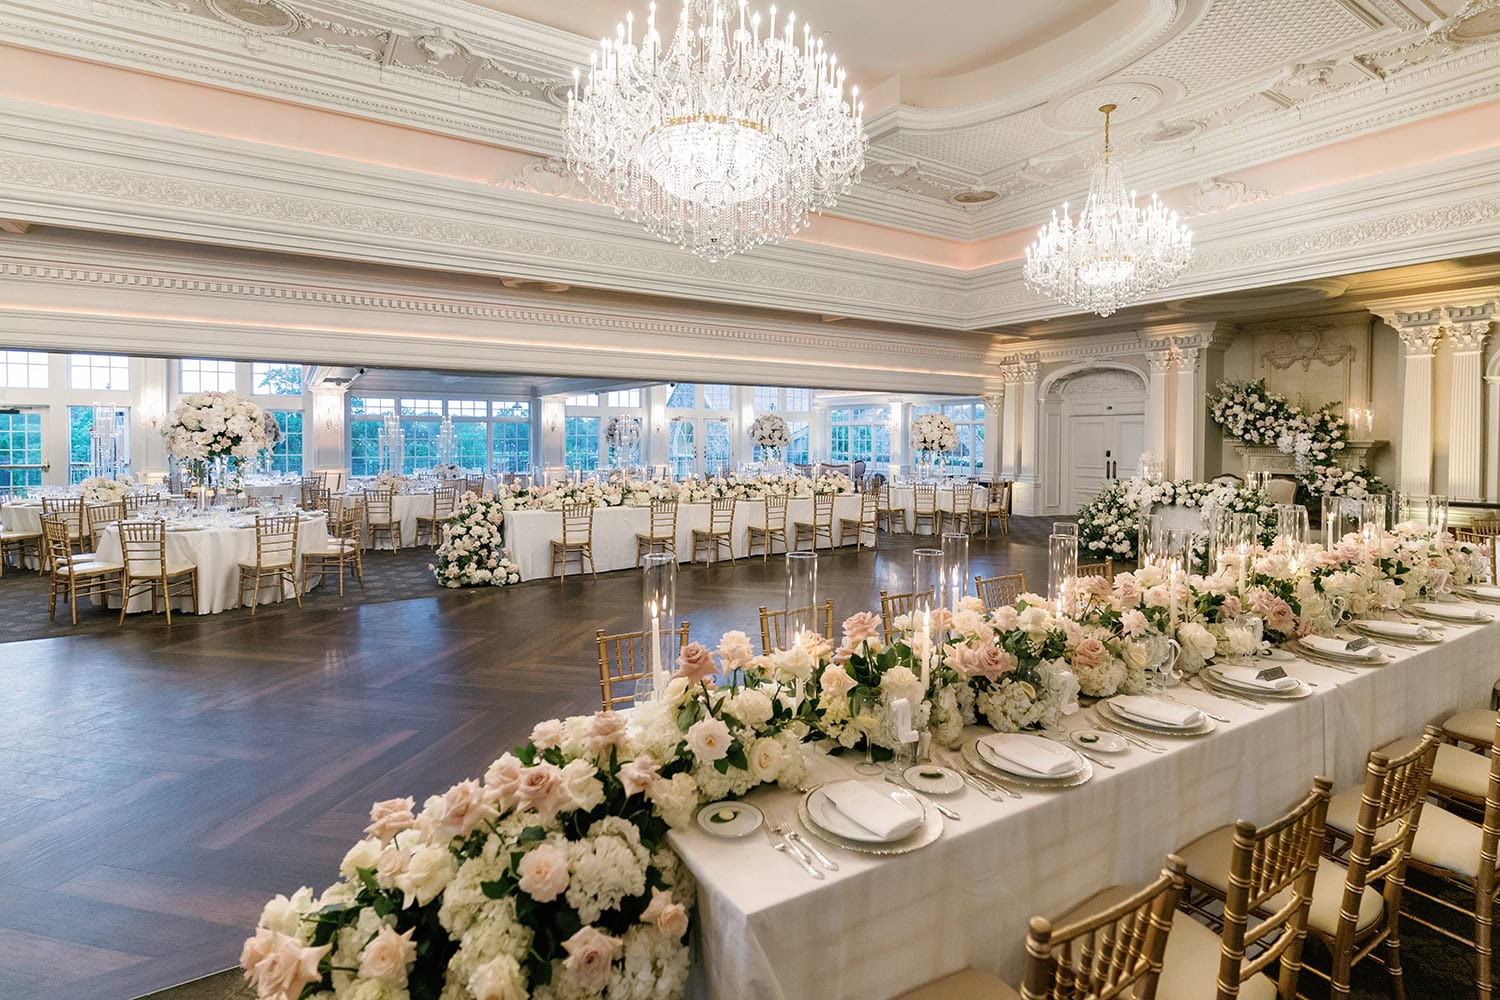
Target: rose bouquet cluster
{"x": 1109, "y": 525}
{"x": 769, "y": 431}
{"x": 205, "y": 426}
{"x": 1249, "y": 412}
{"x": 272, "y": 428}
{"x": 447, "y": 470}
{"x": 102, "y": 489}
{"x": 395, "y": 482}
{"x": 473, "y": 550}
{"x": 933, "y": 432}
{"x": 622, "y": 433}
{"x": 624, "y": 491}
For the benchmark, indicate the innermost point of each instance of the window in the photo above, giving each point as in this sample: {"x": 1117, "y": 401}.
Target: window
{"x": 717, "y": 397}
{"x": 968, "y": 420}
{"x": 626, "y": 398}
{"x": 275, "y": 379}
{"x": 286, "y": 457}
{"x": 419, "y": 443}
{"x": 859, "y": 434}
{"x": 791, "y": 404}
{"x": 20, "y": 447}
{"x": 684, "y": 397}
{"x": 470, "y": 444}
{"x": 468, "y": 408}
{"x": 767, "y": 400}
{"x": 372, "y": 407}
{"x": 682, "y": 452}
{"x": 365, "y": 415}
{"x": 422, "y": 407}
{"x": 798, "y": 400}
{"x": 587, "y": 399}
{"x": 23, "y": 370}
{"x": 81, "y": 441}
{"x": 716, "y": 446}
{"x": 196, "y": 375}
{"x": 510, "y": 447}
{"x": 109, "y": 372}
{"x": 581, "y": 438}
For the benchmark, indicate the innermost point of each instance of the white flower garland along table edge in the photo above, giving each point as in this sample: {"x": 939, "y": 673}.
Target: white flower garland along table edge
{"x": 551, "y": 877}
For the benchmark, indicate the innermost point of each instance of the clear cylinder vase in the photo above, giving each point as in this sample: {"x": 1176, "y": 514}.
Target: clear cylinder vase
{"x": 659, "y": 613}
{"x": 801, "y": 595}
{"x": 955, "y": 569}
{"x": 1062, "y": 571}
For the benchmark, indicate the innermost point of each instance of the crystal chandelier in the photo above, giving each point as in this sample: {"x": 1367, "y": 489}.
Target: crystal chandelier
{"x": 1115, "y": 254}
{"x": 729, "y": 137}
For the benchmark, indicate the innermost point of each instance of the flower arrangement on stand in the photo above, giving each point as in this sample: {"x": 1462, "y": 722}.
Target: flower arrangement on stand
{"x": 621, "y": 435}
{"x": 447, "y": 470}
{"x": 102, "y": 489}
{"x": 933, "y": 434}
{"x": 473, "y": 551}
{"x": 769, "y": 433}
{"x": 214, "y": 432}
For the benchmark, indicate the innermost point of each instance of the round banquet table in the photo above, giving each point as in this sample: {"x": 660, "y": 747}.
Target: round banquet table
{"x": 290, "y": 489}
{"x": 24, "y": 516}
{"x": 405, "y": 509}
{"x": 218, "y": 544}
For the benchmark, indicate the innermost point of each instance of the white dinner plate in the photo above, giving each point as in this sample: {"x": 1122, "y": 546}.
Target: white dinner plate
{"x": 743, "y": 819}
{"x": 826, "y": 815}
{"x": 1352, "y": 659}
{"x": 1461, "y": 613}
{"x": 1141, "y": 720}
{"x": 1214, "y": 679}
{"x": 933, "y": 779}
{"x": 1011, "y": 767}
{"x": 1109, "y": 713}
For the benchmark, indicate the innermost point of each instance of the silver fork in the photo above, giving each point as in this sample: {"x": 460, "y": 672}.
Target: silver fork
{"x": 780, "y": 824}
{"x": 780, "y": 843}
{"x": 981, "y": 781}
{"x": 1128, "y": 737}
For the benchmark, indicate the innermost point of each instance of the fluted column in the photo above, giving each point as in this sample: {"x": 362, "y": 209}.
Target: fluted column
{"x": 1159, "y": 407}
{"x": 1185, "y": 423}
{"x": 1420, "y": 333}
{"x": 1026, "y": 477}
{"x": 1492, "y": 439}
{"x": 1010, "y": 423}
{"x": 1467, "y": 328}
{"x": 994, "y": 431}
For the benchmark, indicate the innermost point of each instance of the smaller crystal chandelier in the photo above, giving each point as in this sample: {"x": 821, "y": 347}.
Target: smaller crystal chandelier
{"x": 1115, "y": 254}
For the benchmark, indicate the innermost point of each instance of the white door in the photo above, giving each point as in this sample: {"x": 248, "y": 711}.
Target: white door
{"x": 1102, "y": 449}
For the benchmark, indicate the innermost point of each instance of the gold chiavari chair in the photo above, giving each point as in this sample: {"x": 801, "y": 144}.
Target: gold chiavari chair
{"x": 718, "y": 535}
{"x": 773, "y": 626}
{"x": 774, "y": 527}
{"x": 444, "y": 506}
{"x": 959, "y": 514}
{"x": 885, "y": 511}
{"x": 70, "y": 509}
{"x": 1486, "y": 526}
{"x": 1106, "y": 948}
{"x": 864, "y": 523}
{"x": 626, "y": 657}
{"x": 662, "y": 536}
{"x": 474, "y": 485}
{"x": 577, "y": 540}
{"x": 74, "y": 575}
{"x": 997, "y": 506}
{"x": 144, "y": 544}
{"x": 310, "y": 487}
{"x": 99, "y": 516}
{"x": 344, "y": 551}
{"x": 924, "y": 506}
{"x": 1105, "y": 569}
{"x": 821, "y": 525}
{"x": 137, "y": 502}
{"x": 275, "y": 558}
{"x": 1490, "y": 539}
{"x": 380, "y": 518}
{"x": 998, "y": 591}
{"x": 1348, "y": 915}
{"x": 1272, "y": 870}
{"x": 893, "y": 606}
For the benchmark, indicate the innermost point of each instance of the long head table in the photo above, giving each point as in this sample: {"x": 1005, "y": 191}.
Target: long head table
{"x": 529, "y": 533}
{"x": 881, "y": 926}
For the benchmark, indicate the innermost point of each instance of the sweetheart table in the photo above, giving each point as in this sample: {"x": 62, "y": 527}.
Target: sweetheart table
{"x": 881, "y": 926}
{"x": 529, "y": 533}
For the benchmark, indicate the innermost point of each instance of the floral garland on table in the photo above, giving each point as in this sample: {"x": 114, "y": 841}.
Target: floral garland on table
{"x": 933, "y": 432}
{"x": 206, "y": 426}
{"x": 1109, "y": 525}
{"x": 622, "y": 433}
{"x": 769, "y": 430}
{"x": 1249, "y": 412}
{"x": 395, "y": 482}
{"x": 623, "y": 491}
{"x": 102, "y": 489}
{"x": 473, "y": 552}
{"x": 448, "y": 470}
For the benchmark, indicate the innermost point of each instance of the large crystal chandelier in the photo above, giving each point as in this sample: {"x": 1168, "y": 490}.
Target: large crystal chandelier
{"x": 729, "y": 137}
{"x": 1116, "y": 253}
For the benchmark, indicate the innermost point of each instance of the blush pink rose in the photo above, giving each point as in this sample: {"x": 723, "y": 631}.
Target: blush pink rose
{"x": 543, "y": 873}
{"x": 695, "y": 663}
{"x": 989, "y": 662}
{"x": 836, "y": 682}
{"x": 638, "y": 775}
{"x": 1090, "y": 654}
{"x": 591, "y": 956}
{"x": 279, "y": 966}
{"x": 1232, "y": 606}
{"x": 501, "y": 781}
{"x": 548, "y": 734}
{"x": 1094, "y": 586}
{"x": 1276, "y": 612}
{"x": 860, "y": 627}
{"x": 387, "y": 955}
{"x": 464, "y": 808}
{"x": 1128, "y": 590}
{"x": 606, "y": 731}
{"x": 1134, "y": 623}
{"x": 390, "y": 817}
{"x": 539, "y": 788}
{"x": 666, "y": 916}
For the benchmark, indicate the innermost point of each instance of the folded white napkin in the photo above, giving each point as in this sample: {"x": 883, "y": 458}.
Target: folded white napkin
{"x": 1164, "y": 713}
{"x": 871, "y": 809}
{"x": 1396, "y": 630}
{"x": 1455, "y": 612}
{"x": 1033, "y": 753}
{"x": 1484, "y": 590}
{"x": 1249, "y": 677}
{"x": 1337, "y": 647}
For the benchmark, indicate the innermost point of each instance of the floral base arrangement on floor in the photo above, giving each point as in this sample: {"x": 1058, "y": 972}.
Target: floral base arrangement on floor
{"x": 1109, "y": 525}
{"x": 473, "y": 551}
{"x": 551, "y": 877}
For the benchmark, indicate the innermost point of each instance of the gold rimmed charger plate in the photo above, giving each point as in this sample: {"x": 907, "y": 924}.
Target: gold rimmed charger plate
{"x": 972, "y": 757}
{"x": 1469, "y": 595}
{"x": 930, "y": 830}
{"x": 1107, "y": 711}
{"x": 1314, "y": 656}
{"x": 1483, "y": 618}
{"x": 1394, "y": 640}
{"x": 1218, "y": 683}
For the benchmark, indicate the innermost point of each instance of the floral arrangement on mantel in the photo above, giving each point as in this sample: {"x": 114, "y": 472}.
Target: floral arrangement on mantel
{"x": 551, "y": 877}
{"x": 769, "y": 430}
{"x": 624, "y": 491}
{"x": 102, "y": 489}
{"x": 473, "y": 551}
{"x": 933, "y": 433}
{"x": 1109, "y": 525}
{"x": 206, "y": 426}
{"x": 1249, "y": 412}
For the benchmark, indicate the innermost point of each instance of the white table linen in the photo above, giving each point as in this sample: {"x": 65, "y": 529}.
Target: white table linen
{"x": 218, "y": 549}
{"x": 288, "y": 489}
{"x": 881, "y": 926}
{"x": 25, "y": 517}
{"x": 405, "y": 509}
{"x": 529, "y": 533}
{"x": 905, "y": 497}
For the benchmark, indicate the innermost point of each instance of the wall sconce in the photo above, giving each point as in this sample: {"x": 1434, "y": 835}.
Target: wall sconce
{"x": 551, "y": 422}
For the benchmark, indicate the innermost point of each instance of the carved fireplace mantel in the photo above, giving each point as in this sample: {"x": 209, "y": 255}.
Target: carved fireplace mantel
{"x": 1355, "y": 455}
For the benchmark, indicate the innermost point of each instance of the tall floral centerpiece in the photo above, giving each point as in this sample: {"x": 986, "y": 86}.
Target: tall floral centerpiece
{"x": 622, "y": 435}
{"x": 213, "y": 432}
{"x": 769, "y": 433}
{"x": 932, "y": 434}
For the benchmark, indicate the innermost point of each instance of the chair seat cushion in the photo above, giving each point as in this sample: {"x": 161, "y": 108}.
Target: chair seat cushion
{"x": 1454, "y": 770}
{"x": 89, "y": 567}
{"x": 1191, "y": 965}
{"x": 139, "y": 571}
{"x": 335, "y": 548}
{"x": 1477, "y": 725}
{"x": 267, "y": 567}
{"x": 1208, "y": 861}
{"x": 1443, "y": 839}
{"x": 968, "y": 984}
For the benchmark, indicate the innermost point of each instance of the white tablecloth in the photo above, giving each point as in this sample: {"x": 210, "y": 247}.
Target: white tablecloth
{"x": 529, "y": 533}
{"x": 879, "y": 927}
{"x": 904, "y": 497}
{"x": 218, "y": 551}
{"x": 405, "y": 508}
{"x": 24, "y": 517}
{"x": 290, "y": 489}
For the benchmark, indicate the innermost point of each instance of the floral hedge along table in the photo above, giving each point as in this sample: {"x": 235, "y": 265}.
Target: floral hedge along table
{"x": 584, "y": 863}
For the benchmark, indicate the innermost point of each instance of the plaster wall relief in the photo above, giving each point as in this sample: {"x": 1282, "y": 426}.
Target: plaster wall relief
{"x": 1315, "y": 362}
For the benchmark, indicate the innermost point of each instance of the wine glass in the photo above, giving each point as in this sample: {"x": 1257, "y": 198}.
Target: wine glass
{"x": 862, "y": 708}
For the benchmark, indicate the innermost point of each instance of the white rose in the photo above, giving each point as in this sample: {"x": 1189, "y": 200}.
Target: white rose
{"x": 364, "y": 854}
{"x": 428, "y": 872}
{"x": 1197, "y": 639}
{"x": 581, "y": 785}
{"x": 709, "y": 740}
{"x": 767, "y": 757}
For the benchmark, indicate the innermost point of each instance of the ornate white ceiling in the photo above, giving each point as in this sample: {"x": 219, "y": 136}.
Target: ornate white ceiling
{"x": 1205, "y": 87}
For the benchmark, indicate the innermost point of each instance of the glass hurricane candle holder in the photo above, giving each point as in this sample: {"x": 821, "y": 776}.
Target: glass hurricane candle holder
{"x": 1062, "y": 570}
{"x": 801, "y": 594}
{"x": 659, "y": 610}
{"x": 955, "y": 569}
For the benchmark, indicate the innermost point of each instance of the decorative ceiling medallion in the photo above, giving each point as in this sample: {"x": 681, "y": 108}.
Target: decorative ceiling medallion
{"x": 1478, "y": 21}
{"x": 976, "y": 197}
{"x": 264, "y": 17}
{"x": 1135, "y": 97}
